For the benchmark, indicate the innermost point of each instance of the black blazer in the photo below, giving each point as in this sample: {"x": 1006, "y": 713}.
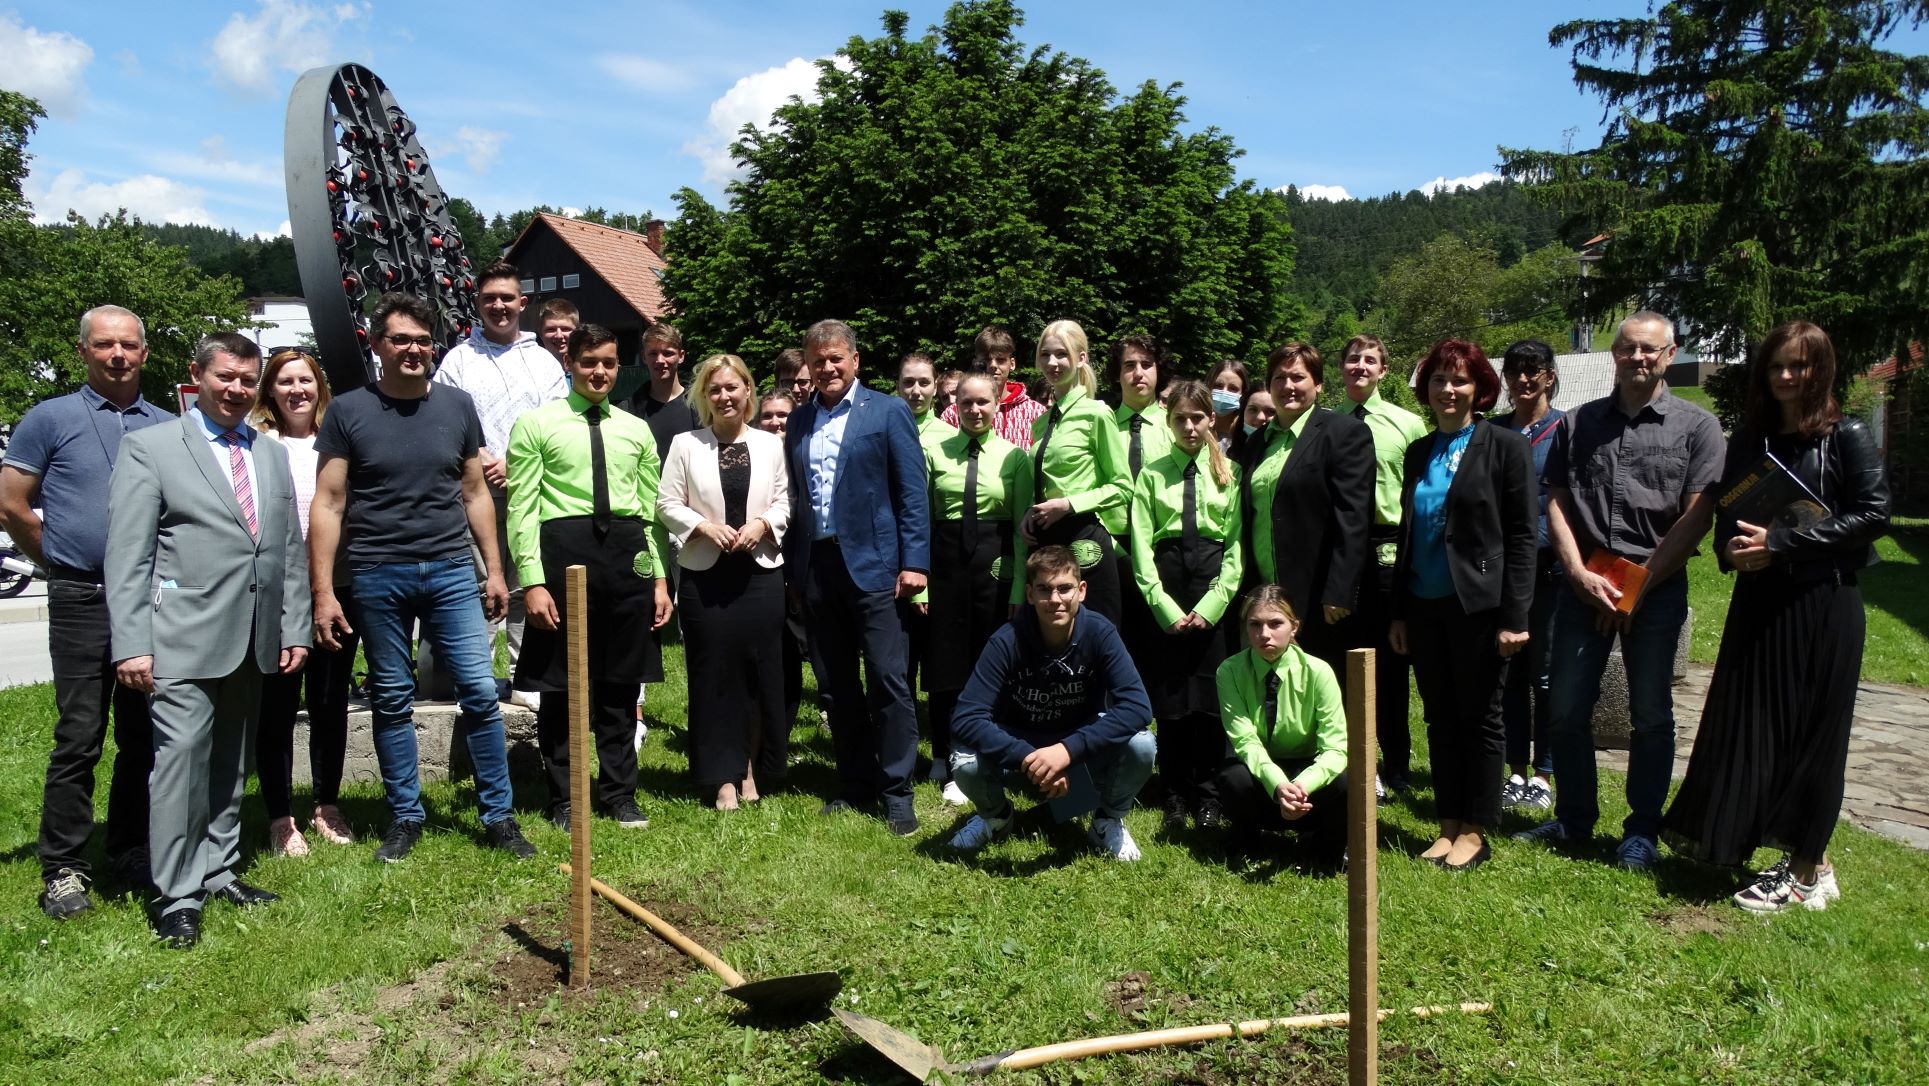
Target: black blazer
{"x": 1322, "y": 512}
{"x": 1492, "y": 516}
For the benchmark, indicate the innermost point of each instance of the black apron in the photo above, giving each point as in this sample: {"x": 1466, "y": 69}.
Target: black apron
{"x": 968, "y": 603}
{"x": 622, "y": 605}
{"x": 1181, "y": 676}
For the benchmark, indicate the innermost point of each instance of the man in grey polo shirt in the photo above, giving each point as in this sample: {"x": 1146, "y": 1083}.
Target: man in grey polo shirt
{"x": 60, "y": 461}
{"x": 1624, "y": 470}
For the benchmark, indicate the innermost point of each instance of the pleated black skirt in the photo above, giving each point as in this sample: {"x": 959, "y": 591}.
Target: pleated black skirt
{"x": 1770, "y": 757}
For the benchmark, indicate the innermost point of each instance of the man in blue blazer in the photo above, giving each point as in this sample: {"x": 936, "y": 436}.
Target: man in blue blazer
{"x": 859, "y": 541}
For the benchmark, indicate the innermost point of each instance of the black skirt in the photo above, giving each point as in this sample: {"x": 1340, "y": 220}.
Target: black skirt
{"x": 1770, "y": 758}
{"x": 1092, "y": 546}
{"x": 733, "y": 638}
{"x": 1180, "y": 675}
{"x": 968, "y": 602}
{"x": 622, "y": 605}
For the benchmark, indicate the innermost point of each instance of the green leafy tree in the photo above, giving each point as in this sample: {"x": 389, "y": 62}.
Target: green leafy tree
{"x": 19, "y": 115}
{"x": 946, "y": 181}
{"x": 1455, "y": 288}
{"x": 1763, "y": 161}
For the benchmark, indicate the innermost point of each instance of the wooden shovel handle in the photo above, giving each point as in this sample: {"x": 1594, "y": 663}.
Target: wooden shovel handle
{"x": 1183, "y": 1035}
{"x": 731, "y": 978}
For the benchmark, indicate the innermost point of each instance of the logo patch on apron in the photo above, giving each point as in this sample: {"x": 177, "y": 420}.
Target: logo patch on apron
{"x": 1087, "y": 553}
{"x": 643, "y": 564}
{"x": 998, "y": 568}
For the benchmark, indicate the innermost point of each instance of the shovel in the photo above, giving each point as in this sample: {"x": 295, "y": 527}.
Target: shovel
{"x": 919, "y": 1059}
{"x": 775, "y": 995}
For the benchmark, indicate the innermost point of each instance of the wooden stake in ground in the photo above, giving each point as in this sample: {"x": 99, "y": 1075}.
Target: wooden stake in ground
{"x": 576, "y": 615}
{"x": 1362, "y": 873}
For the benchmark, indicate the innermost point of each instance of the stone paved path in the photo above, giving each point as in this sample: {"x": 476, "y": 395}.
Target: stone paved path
{"x": 1888, "y": 773}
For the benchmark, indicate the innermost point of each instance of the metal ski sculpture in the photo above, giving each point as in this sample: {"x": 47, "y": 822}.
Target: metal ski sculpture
{"x": 367, "y": 217}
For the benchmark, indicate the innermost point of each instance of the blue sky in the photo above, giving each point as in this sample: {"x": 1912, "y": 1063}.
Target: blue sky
{"x": 177, "y": 111}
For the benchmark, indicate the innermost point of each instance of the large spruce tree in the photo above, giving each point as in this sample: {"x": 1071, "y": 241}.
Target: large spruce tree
{"x": 942, "y": 182}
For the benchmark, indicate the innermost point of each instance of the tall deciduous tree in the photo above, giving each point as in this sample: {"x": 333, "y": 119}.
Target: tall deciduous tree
{"x": 19, "y": 115}
{"x": 1763, "y": 161}
{"x": 943, "y": 182}
{"x": 1455, "y": 288}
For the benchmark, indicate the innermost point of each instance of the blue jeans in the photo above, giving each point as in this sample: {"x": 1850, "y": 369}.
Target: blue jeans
{"x": 1579, "y": 655}
{"x": 1118, "y": 774}
{"x": 389, "y": 598}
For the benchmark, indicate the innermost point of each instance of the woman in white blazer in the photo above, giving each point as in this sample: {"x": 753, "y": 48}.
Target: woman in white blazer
{"x": 725, "y": 500}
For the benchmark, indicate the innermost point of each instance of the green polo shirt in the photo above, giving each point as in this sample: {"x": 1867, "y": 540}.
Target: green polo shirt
{"x": 549, "y": 476}
{"x": 1265, "y": 480}
{"x": 1310, "y": 723}
{"x": 1085, "y": 462}
{"x": 1158, "y": 513}
{"x": 1004, "y": 488}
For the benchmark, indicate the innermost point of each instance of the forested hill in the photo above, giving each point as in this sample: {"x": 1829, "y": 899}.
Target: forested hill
{"x": 1345, "y": 246}
{"x": 265, "y": 267}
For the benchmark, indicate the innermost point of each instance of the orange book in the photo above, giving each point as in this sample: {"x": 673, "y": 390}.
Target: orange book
{"x": 1622, "y": 574}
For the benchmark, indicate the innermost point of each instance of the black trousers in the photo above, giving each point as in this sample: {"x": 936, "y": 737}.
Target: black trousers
{"x": 612, "y": 728}
{"x": 939, "y": 706}
{"x": 874, "y": 732}
{"x": 1368, "y": 629}
{"x": 327, "y": 679}
{"x": 85, "y": 687}
{"x": 1251, "y": 807}
{"x": 1192, "y": 751}
{"x": 1461, "y": 677}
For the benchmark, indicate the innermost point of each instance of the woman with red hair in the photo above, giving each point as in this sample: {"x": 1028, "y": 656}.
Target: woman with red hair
{"x": 1463, "y": 584}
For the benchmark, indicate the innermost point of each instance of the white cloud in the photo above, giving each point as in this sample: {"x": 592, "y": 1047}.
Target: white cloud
{"x": 46, "y": 67}
{"x": 283, "y": 36}
{"x": 478, "y": 147}
{"x": 1448, "y": 184}
{"x": 286, "y": 229}
{"x": 643, "y": 73}
{"x": 152, "y": 197}
{"x": 751, "y": 100}
{"x": 216, "y": 163}
{"x": 1330, "y": 193}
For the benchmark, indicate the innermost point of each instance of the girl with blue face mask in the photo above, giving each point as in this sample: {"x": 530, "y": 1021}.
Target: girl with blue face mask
{"x": 1227, "y": 382}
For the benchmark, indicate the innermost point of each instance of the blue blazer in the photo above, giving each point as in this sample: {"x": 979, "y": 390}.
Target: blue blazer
{"x": 883, "y": 519}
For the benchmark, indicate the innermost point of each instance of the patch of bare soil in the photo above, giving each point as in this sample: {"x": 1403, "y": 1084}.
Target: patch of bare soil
{"x": 1134, "y": 996}
{"x": 624, "y": 954}
{"x": 1693, "y": 920}
{"x": 1285, "y": 1060}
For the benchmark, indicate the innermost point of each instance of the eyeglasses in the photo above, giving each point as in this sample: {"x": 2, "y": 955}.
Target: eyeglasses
{"x": 404, "y": 342}
{"x": 1527, "y": 369}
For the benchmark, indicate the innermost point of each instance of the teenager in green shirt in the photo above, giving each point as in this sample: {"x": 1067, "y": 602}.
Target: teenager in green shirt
{"x": 980, "y": 490}
{"x": 1079, "y": 468}
{"x": 1363, "y": 366}
{"x": 1281, "y": 710}
{"x": 918, "y": 388}
{"x": 1138, "y": 369}
{"x": 582, "y": 491}
{"x": 1187, "y": 565}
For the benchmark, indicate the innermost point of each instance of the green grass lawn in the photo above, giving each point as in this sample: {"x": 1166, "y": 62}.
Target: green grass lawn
{"x": 366, "y": 973}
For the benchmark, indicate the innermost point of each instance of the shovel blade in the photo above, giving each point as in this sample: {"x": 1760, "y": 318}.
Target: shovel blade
{"x": 916, "y": 1058}
{"x": 785, "y": 993}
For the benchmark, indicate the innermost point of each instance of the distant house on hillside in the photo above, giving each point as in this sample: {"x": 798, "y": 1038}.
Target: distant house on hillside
{"x": 287, "y": 323}
{"x": 614, "y": 277}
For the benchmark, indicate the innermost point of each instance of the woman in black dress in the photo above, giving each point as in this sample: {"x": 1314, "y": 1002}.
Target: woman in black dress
{"x": 1769, "y": 759}
{"x": 725, "y": 499}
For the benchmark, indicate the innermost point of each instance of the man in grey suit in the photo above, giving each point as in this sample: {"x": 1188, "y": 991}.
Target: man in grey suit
{"x": 207, "y": 591}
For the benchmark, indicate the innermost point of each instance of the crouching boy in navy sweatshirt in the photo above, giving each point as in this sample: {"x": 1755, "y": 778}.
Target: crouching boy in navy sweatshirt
{"x": 1055, "y": 707}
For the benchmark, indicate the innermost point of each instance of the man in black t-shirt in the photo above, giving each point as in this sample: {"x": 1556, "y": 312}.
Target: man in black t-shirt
{"x": 401, "y": 488}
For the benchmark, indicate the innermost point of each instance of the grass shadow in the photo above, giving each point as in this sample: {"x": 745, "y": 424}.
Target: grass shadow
{"x": 1896, "y": 587}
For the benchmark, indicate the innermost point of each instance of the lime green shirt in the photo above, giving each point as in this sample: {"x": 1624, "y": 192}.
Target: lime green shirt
{"x": 1158, "y": 513}
{"x": 549, "y": 476}
{"x": 1004, "y": 488}
{"x": 1310, "y": 723}
{"x": 1265, "y": 481}
{"x": 1155, "y": 440}
{"x": 1085, "y": 462}
{"x": 1393, "y": 428}
{"x": 931, "y": 426}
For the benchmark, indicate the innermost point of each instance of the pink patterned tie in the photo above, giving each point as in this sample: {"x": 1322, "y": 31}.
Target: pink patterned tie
{"x": 244, "y": 491}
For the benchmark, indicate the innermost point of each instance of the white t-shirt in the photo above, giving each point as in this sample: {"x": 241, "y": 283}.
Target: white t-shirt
{"x": 303, "y": 464}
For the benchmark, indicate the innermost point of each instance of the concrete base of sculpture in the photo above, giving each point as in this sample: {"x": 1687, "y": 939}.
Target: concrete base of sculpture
{"x": 441, "y": 754}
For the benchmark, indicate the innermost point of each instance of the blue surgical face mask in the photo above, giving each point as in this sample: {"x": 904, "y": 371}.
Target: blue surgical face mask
{"x": 1250, "y": 430}
{"x": 1225, "y": 401}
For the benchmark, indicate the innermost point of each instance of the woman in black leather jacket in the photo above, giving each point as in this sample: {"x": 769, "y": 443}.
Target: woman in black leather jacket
{"x": 1769, "y": 760}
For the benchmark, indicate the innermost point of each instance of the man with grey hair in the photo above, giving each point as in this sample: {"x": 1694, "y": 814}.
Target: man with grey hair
{"x": 1626, "y": 472}
{"x": 59, "y": 463}
{"x": 207, "y": 592}
{"x": 859, "y": 541}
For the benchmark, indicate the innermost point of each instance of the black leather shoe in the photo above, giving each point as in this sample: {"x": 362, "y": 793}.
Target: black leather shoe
{"x": 179, "y": 930}
{"x": 240, "y": 894}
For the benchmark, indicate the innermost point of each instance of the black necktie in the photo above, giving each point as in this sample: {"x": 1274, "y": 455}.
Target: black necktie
{"x": 970, "y": 513}
{"x": 599, "y": 483}
{"x": 1271, "y": 710}
{"x": 1038, "y": 462}
{"x": 1360, "y": 412}
{"x": 1189, "y": 507}
{"x": 1138, "y": 457}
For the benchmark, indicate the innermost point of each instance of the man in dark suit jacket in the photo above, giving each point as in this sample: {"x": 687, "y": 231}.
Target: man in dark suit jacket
{"x": 860, "y": 540}
{"x": 207, "y": 591}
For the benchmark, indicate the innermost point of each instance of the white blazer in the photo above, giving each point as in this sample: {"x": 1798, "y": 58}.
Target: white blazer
{"x": 691, "y": 492}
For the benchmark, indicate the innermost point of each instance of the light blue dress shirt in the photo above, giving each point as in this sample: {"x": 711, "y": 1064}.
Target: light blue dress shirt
{"x": 826, "y": 443}
{"x": 219, "y": 450}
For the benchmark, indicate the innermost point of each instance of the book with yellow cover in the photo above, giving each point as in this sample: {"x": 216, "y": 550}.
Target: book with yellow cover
{"x": 1622, "y": 574}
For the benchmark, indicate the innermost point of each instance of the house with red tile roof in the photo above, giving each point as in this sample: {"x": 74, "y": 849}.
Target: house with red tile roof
{"x": 614, "y": 278}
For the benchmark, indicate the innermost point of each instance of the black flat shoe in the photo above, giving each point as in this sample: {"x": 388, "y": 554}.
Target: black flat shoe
{"x": 242, "y": 895}
{"x": 179, "y": 930}
{"x": 1486, "y": 853}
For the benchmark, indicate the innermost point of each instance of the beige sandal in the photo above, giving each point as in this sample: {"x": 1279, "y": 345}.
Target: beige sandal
{"x": 284, "y": 839}
{"x": 330, "y": 826}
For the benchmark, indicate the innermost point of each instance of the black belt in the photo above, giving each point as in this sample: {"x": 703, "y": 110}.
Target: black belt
{"x": 69, "y": 573}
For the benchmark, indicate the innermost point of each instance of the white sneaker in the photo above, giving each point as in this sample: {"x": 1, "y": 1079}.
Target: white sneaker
{"x": 1379, "y": 788}
{"x": 529, "y": 699}
{"x": 1535, "y": 795}
{"x": 1510, "y": 791}
{"x": 642, "y": 733}
{"x": 1826, "y": 888}
{"x": 1113, "y": 839}
{"x": 979, "y": 832}
{"x": 954, "y": 795}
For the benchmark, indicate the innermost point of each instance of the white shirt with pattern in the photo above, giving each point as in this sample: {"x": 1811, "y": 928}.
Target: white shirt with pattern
{"x": 504, "y": 379}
